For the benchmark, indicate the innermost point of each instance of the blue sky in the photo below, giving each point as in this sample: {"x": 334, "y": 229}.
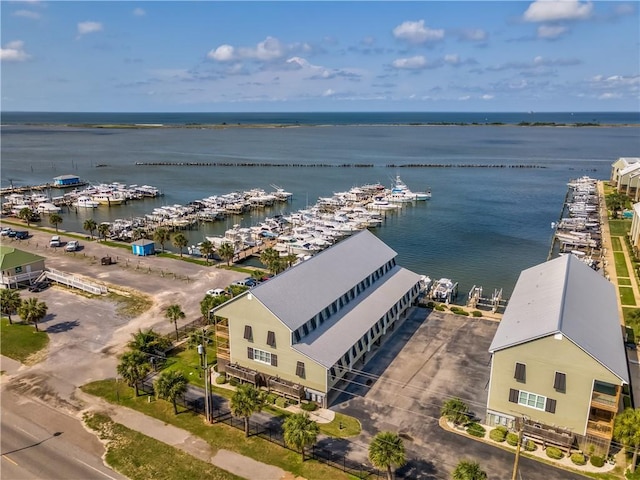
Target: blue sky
{"x": 241, "y": 56}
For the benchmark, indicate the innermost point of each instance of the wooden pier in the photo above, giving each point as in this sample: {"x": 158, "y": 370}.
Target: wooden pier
{"x": 37, "y": 188}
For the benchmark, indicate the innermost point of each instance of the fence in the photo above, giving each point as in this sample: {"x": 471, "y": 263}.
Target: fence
{"x": 273, "y": 434}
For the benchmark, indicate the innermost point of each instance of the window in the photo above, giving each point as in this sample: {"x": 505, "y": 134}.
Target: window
{"x": 250, "y": 353}
{"x": 560, "y": 382}
{"x": 521, "y": 372}
{"x": 271, "y": 339}
{"x": 261, "y": 356}
{"x": 300, "y": 369}
{"x": 274, "y": 360}
{"x": 532, "y": 400}
{"x": 248, "y": 333}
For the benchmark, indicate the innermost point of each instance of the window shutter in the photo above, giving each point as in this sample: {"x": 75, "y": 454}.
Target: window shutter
{"x": 300, "y": 369}
{"x": 274, "y": 360}
{"x": 550, "y": 406}
{"x": 271, "y": 339}
{"x": 250, "y": 353}
{"x": 513, "y": 395}
{"x": 248, "y": 334}
{"x": 521, "y": 372}
{"x": 560, "y": 382}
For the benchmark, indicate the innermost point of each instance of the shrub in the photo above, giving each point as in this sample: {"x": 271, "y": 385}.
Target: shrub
{"x": 530, "y": 446}
{"x": 430, "y": 305}
{"x": 555, "y": 453}
{"x": 234, "y": 382}
{"x": 578, "y": 459}
{"x": 439, "y": 308}
{"x": 498, "y": 434}
{"x": 476, "y": 313}
{"x": 220, "y": 379}
{"x": 512, "y": 439}
{"x": 476, "y": 429}
{"x": 271, "y": 398}
{"x": 309, "y": 406}
{"x": 596, "y": 461}
{"x": 281, "y": 402}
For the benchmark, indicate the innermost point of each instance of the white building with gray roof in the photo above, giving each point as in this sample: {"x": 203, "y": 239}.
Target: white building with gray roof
{"x": 302, "y": 331}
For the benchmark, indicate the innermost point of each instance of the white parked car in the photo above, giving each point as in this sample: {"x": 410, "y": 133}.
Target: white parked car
{"x": 55, "y": 241}
{"x": 216, "y": 292}
{"x": 72, "y": 246}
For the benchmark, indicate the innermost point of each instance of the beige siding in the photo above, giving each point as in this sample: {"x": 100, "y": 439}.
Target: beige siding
{"x": 542, "y": 359}
{"x": 245, "y": 311}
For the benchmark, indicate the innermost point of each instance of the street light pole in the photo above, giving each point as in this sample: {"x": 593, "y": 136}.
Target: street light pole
{"x": 202, "y": 350}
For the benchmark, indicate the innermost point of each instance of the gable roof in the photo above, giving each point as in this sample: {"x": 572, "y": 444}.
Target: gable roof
{"x": 12, "y": 257}
{"x": 565, "y": 296}
{"x": 299, "y": 293}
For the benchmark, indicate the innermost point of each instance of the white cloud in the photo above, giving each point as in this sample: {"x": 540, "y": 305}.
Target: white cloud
{"x": 224, "y": 53}
{"x": 417, "y": 33}
{"x": 474, "y": 35}
{"x": 555, "y": 10}
{"x": 609, "y": 96}
{"x": 413, "y": 63}
{"x": 452, "y": 59}
{"x": 487, "y": 96}
{"x": 465, "y": 97}
{"x": 14, "y": 52}
{"x": 89, "y": 27}
{"x": 269, "y": 49}
{"x": 139, "y": 12}
{"x": 27, "y": 14}
{"x": 328, "y": 93}
{"x": 551, "y": 31}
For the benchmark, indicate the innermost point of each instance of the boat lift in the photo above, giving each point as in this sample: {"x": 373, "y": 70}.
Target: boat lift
{"x": 475, "y": 299}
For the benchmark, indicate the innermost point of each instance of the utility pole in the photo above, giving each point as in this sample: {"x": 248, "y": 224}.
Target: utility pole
{"x": 202, "y": 350}
{"x": 515, "y": 462}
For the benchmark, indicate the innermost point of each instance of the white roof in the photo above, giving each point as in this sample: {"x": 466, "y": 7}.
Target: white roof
{"x": 565, "y": 296}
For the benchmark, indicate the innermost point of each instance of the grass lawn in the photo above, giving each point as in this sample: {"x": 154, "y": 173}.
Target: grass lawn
{"x": 632, "y": 320}
{"x": 624, "y": 282}
{"x": 217, "y": 435}
{"x": 626, "y": 296}
{"x": 140, "y": 457}
{"x": 350, "y": 426}
{"x": 616, "y": 244}
{"x": 19, "y": 341}
{"x": 619, "y": 228}
{"x": 621, "y": 264}
{"x": 132, "y": 305}
{"x": 187, "y": 361}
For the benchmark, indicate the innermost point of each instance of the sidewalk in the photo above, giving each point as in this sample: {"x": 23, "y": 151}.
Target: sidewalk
{"x": 235, "y": 463}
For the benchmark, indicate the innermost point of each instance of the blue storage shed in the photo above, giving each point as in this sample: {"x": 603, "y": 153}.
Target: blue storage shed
{"x": 66, "y": 181}
{"x": 143, "y": 247}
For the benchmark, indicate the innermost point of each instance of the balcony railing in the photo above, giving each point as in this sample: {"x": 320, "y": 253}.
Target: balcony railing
{"x": 606, "y": 401}
{"x": 600, "y": 428}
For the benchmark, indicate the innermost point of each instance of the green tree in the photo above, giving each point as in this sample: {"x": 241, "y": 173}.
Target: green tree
{"x": 226, "y": 252}
{"x": 161, "y": 235}
{"x": 615, "y": 202}
{"x": 455, "y": 410}
{"x": 300, "y": 431}
{"x": 466, "y": 470}
{"x": 257, "y": 275}
{"x": 270, "y": 258}
{"x": 206, "y": 249}
{"x": 290, "y": 259}
{"x": 55, "y": 220}
{"x": 148, "y": 341}
{"x": 246, "y": 401}
{"x": 9, "y": 301}
{"x": 103, "y": 230}
{"x": 90, "y": 226}
{"x": 138, "y": 233}
{"x": 25, "y": 214}
{"x": 174, "y": 313}
{"x": 180, "y": 241}
{"x": 32, "y": 311}
{"x": 133, "y": 367}
{"x": 386, "y": 450}
{"x": 626, "y": 430}
{"x": 170, "y": 385}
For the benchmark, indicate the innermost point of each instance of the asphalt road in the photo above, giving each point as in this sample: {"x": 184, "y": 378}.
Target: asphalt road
{"x": 39, "y": 442}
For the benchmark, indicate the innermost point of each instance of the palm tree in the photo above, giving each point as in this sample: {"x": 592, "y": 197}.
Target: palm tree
{"x": 627, "y": 431}
{"x": 226, "y": 252}
{"x": 455, "y": 410}
{"x": 133, "y": 367}
{"x": 161, "y": 235}
{"x": 467, "y": 470}
{"x": 25, "y": 214}
{"x": 174, "y": 313}
{"x": 300, "y": 431}
{"x": 270, "y": 258}
{"x": 180, "y": 241}
{"x": 245, "y": 401}
{"x": 206, "y": 305}
{"x": 9, "y": 301}
{"x": 387, "y": 450}
{"x": 32, "y": 311}
{"x": 103, "y": 230}
{"x": 55, "y": 220}
{"x": 171, "y": 385}
{"x": 206, "y": 248}
{"x": 90, "y": 226}
{"x": 137, "y": 234}
{"x": 148, "y": 341}
{"x": 290, "y": 259}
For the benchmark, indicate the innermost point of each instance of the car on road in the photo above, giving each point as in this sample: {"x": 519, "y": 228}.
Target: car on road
{"x": 247, "y": 282}
{"x": 55, "y": 241}
{"x": 11, "y": 233}
{"x": 217, "y": 292}
{"x": 5, "y": 231}
{"x": 72, "y": 246}
{"x": 39, "y": 286}
{"x": 21, "y": 235}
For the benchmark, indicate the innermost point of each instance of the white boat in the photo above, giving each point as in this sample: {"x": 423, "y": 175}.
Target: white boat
{"x": 109, "y": 198}
{"x": 444, "y": 290}
{"x": 84, "y": 201}
{"x": 401, "y": 193}
{"x": 48, "y": 207}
